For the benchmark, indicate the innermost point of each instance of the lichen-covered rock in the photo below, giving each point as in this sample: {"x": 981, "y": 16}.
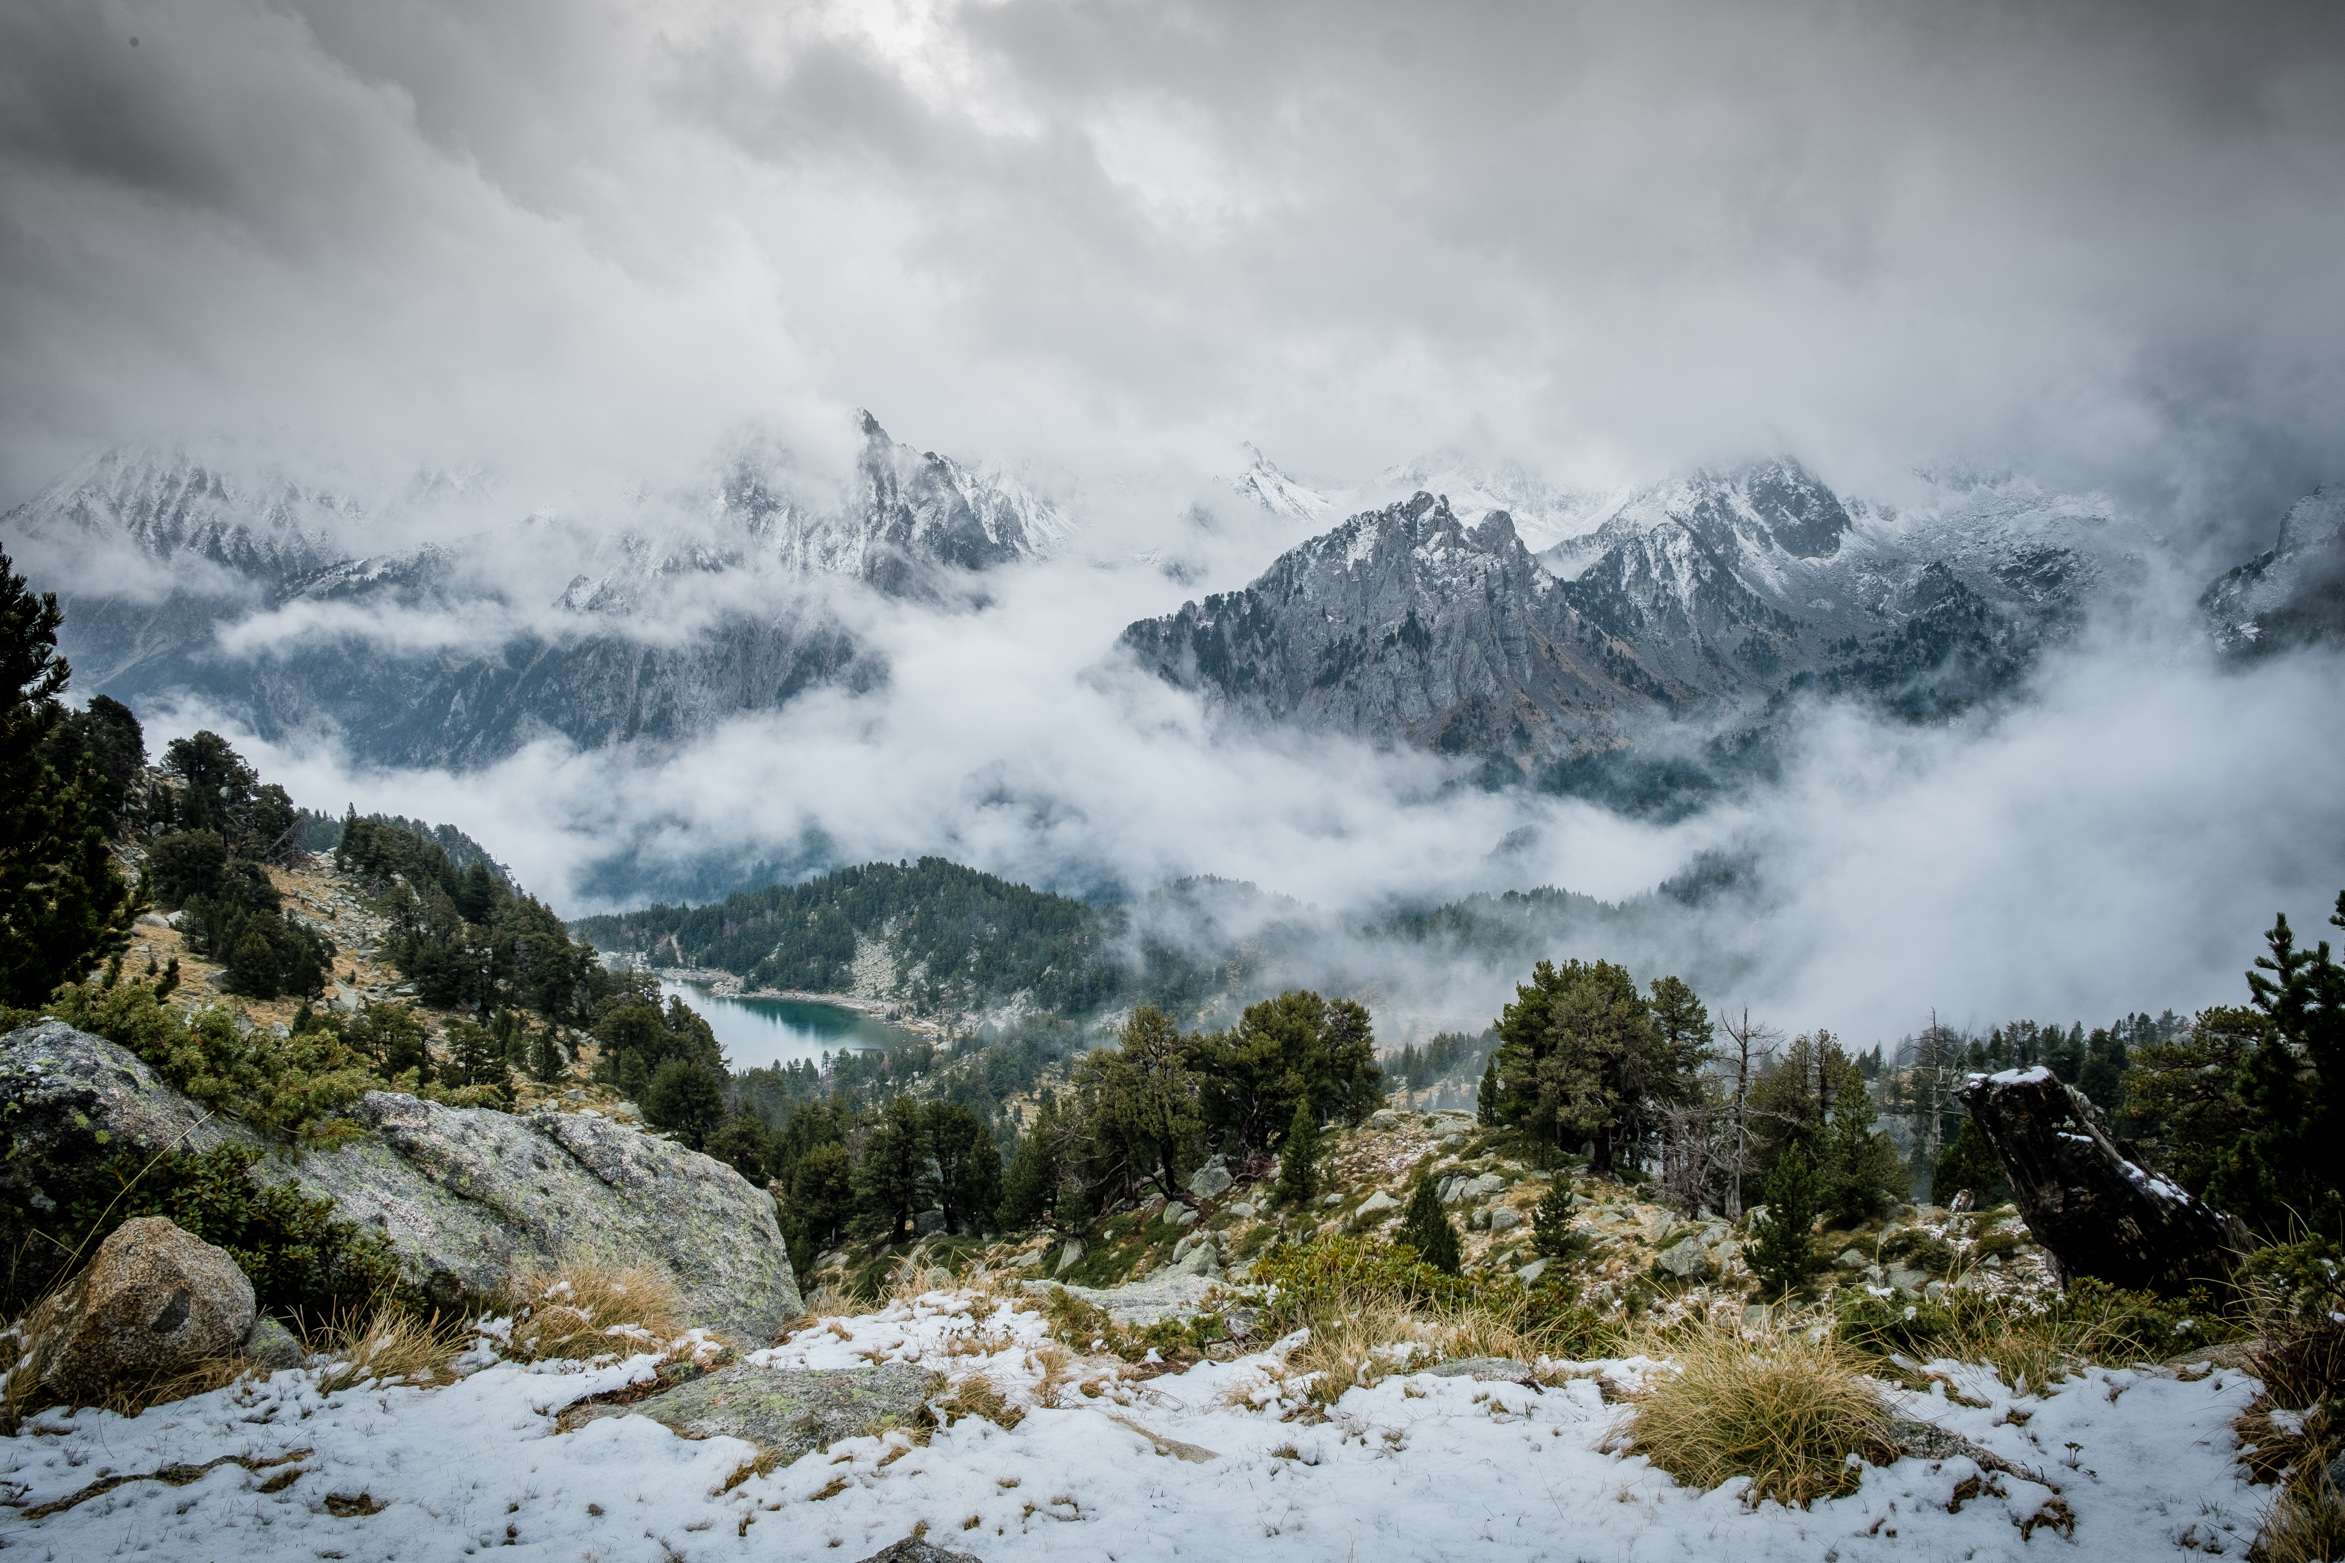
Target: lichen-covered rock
{"x": 153, "y": 1303}
{"x": 469, "y": 1198}
{"x": 69, "y": 1100}
{"x": 271, "y": 1346}
{"x": 792, "y": 1411}
{"x": 1377, "y": 1204}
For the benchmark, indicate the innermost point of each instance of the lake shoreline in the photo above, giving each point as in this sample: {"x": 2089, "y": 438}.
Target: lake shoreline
{"x": 728, "y": 985}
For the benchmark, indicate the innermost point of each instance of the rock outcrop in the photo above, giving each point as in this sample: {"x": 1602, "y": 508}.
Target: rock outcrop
{"x": 2098, "y": 1213}
{"x": 153, "y": 1304}
{"x": 468, "y": 1198}
{"x": 792, "y": 1411}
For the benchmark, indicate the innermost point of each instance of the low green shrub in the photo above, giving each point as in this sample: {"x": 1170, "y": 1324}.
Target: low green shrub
{"x": 302, "y": 1259}
{"x": 289, "y": 1085}
{"x": 1924, "y": 1250}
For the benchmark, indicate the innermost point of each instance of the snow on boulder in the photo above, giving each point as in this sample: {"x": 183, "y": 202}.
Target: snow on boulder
{"x": 2095, "y": 1211}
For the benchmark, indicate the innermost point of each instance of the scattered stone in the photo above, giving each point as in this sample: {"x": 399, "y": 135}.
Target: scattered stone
{"x": 1211, "y": 1180}
{"x": 1688, "y": 1260}
{"x": 929, "y": 1222}
{"x": 271, "y": 1346}
{"x": 1204, "y": 1259}
{"x": 1532, "y": 1271}
{"x": 914, "y": 1549}
{"x": 1242, "y": 1210}
{"x": 1068, "y": 1255}
{"x": 1851, "y": 1259}
{"x": 1485, "y": 1186}
{"x": 1181, "y": 1215}
{"x": 152, "y": 1303}
{"x": 1905, "y": 1278}
{"x": 1330, "y": 1201}
{"x": 1505, "y": 1218}
{"x": 790, "y": 1411}
{"x": 1377, "y": 1204}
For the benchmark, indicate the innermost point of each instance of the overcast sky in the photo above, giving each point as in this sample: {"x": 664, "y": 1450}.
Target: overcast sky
{"x": 581, "y": 240}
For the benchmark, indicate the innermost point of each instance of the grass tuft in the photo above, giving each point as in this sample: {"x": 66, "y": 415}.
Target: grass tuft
{"x": 386, "y": 1343}
{"x": 1795, "y": 1415}
{"x": 584, "y": 1311}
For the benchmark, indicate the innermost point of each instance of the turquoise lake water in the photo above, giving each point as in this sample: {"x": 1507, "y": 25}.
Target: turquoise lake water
{"x": 781, "y": 1031}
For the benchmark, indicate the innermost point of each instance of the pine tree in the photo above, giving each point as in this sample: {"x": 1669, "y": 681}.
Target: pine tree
{"x": 1861, "y": 1175}
{"x": 62, "y": 905}
{"x": 686, "y": 1097}
{"x": 1553, "y": 1232}
{"x": 1486, "y": 1095}
{"x": 1969, "y": 1162}
{"x": 1030, "y": 1186}
{"x": 1425, "y": 1227}
{"x": 1783, "y": 1252}
{"x": 1298, "y": 1159}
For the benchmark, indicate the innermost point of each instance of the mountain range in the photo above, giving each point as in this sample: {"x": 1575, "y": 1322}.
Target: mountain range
{"x": 182, "y": 576}
{"x": 1437, "y": 624}
{"x": 1466, "y": 606}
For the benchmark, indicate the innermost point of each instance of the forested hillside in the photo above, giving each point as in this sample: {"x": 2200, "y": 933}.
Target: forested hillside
{"x": 942, "y": 930}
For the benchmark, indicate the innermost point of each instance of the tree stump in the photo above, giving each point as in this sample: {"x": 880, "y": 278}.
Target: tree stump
{"x": 2095, "y": 1211}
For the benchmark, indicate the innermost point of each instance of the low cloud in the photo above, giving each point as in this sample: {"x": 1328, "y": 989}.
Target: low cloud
{"x": 2116, "y": 840}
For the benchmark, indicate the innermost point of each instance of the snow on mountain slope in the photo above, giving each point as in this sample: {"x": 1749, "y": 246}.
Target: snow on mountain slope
{"x": 2292, "y": 593}
{"x": 276, "y": 601}
{"x": 1408, "y": 623}
{"x": 1267, "y": 484}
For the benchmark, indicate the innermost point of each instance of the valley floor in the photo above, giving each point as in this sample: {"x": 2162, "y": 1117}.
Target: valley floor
{"x": 1223, "y": 1460}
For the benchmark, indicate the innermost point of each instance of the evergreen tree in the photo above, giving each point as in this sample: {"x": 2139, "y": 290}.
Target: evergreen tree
{"x": 63, "y": 908}
{"x": 1144, "y": 1099}
{"x": 549, "y": 1061}
{"x": 1969, "y": 1162}
{"x": 1582, "y": 1059}
{"x": 1426, "y": 1228}
{"x": 476, "y": 1057}
{"x": 686, "y": 1097}
{"x": 1554, "y": 1233}
{"x": 968, "y": 1165}
{"x": 1486, "y": 1095}
{"x": 1030, "y": 1185}
{"x": 822, "y": 1193}
{"x": 892, "y": 1182}
{"x": 745, "y": 1145}
{"x": 1783, "y": 1252}
{"x": 1298, "y": 1159}
{"x": 1860, "y": 1174}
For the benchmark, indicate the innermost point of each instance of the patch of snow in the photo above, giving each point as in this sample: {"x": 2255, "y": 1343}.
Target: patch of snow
{"x": 1135, "y": 1465}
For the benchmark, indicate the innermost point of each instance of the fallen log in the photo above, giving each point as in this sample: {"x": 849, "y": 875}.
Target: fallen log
{"x": 2095, "y": 1211}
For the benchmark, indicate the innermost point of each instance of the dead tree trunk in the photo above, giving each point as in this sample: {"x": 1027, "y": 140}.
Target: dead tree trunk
{"x": 2096, "y": 1212}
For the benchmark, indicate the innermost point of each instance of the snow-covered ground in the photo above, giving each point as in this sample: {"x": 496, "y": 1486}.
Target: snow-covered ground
{"x": 1196, "y": 1464}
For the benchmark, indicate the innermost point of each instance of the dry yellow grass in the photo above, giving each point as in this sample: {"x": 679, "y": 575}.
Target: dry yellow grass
{"x": 386, "y": 1343}
{"x": 975, "y": 1395}
{"x": 2306, "y": 1524}
{"x": 582, "y": 1311}
{"x": 1788, "y": 1411}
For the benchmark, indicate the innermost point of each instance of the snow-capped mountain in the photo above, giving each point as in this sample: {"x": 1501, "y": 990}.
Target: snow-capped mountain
{"x": 1409, "y": 623}
{"x": 1720, "y": 585}
{"x": 2292, "y": 593}
{"x": 1267, "y": 484}
{"x": 709, "y": 599}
